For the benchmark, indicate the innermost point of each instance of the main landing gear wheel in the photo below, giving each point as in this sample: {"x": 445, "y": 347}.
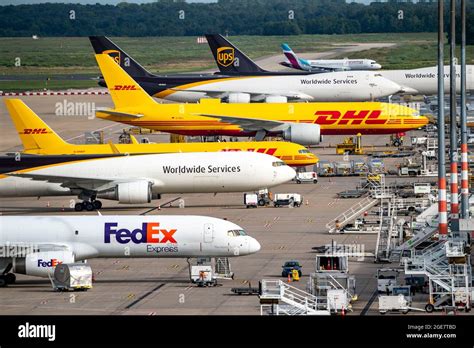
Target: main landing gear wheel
{"x": 3, "y": 282}
{"x": 89, "y": 206}
{"x": 10, "y": 278}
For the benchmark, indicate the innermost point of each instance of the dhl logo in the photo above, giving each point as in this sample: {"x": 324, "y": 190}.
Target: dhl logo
{"x": 34, "y": 131}
{"x": 270, "y": 151}
{"x": 351, "y": 117}
{"x": 126, "y": 88}
{"x": 114, "y": 54}
{"x": 225, "y": 56}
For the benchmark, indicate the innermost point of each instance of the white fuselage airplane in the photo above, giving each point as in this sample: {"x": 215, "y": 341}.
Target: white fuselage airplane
{"x": 33, "y": 245}
{"x": 328, "y": 87}
{"x": 326, "y": 64}
{"x": 424, "y": 81}
{"x": 137, "y": 179}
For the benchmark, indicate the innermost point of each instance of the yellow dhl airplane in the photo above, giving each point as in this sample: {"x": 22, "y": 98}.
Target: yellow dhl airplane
{"x": 303, "y": 123}
{"x": 39, "y": 139}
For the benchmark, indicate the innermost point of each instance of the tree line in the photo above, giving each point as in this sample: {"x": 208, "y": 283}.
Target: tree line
{"x": 235, "y": 17}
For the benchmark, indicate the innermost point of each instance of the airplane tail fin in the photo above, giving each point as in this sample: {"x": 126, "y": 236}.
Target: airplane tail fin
{"x": 33, "y": 131}
{"x": 291, "y": 56}
{"x": 123, "y": 89}
{"x": 229, "y": 58}
{"x": 103, "y": 44}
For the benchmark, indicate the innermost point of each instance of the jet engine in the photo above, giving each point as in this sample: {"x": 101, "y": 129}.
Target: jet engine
{"x": 41, "y": 264}
{"x": 242, "y": 98}
{"x": 136, "y": 192}
{"x": 303, "y": 134}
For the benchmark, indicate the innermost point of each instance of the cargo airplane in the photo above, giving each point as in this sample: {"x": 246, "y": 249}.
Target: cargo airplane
{"x": 322, "y": 65}
{"x": 39, "y": 139}
{"x": 256, "y": 85}
{"x": 302, "y": 123}
{"x": 137, "y": 179}
{"x": 34, "y": 245}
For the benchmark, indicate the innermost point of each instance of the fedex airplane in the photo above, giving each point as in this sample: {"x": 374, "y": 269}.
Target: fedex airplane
{"x": 137, "y": 179}
{"x": 34, "y": 245}
{"x": 323, "y": 65}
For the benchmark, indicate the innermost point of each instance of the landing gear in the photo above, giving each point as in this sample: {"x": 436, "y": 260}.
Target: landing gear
{"x": 89, "y": 206}
{"x": 10, "y": 278}
{"x": 6, "y": 279}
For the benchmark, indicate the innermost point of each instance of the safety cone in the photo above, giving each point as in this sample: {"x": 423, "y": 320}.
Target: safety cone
{"x": 47, "y": 204}
{"x": 289, "y": 278}
{"x": 307, "y": 202}
{"x": 159, "y": 207}
{"x": 343, "y": 312}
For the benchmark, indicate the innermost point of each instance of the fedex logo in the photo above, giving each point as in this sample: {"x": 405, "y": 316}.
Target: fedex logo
{"x": 50, "y": 263}
{"x": 351, "y": 117}
{"x": 126, "y": 88}
{"x": 148, "y": 233}
{"x": 35, "y": 131}
{"x": 270, "y": 151}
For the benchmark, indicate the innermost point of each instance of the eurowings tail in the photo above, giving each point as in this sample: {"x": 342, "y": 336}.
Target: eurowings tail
{"x": 293, "y": 61}
{"x": 33, "y": 131}
{"x": 229, "y": 59}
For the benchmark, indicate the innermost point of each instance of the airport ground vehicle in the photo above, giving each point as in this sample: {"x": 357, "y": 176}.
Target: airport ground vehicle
{"x": 350, "y": 146}
{"x": 69, "y": 239}
{"x": 306, "y": 177}
{"x": 72, "y": 277}
{"x": 289, "y": 266}
{"x": 325, "y": 168}
{"x": 251, "y": 200}
{"x": 287, "y": 199}
{"x": 399, "y": 300}
{"x": 387, "y": 279}
{"x": 344, "y": 168}
{"x": 376, "y": 166}
{"x": 203, "y": 275}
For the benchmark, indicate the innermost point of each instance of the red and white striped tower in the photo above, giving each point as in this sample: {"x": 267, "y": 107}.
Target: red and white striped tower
{"x": 442, "y": 205}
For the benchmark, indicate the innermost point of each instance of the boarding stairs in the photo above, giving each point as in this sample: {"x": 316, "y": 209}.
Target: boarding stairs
{"x": 290, "y": 300}
{"x": 387, "y": 230}
{"x": 449, "y": 282}
{"x": 222, "y": 268}
{"x": 325, "y": 282}
{"x": 351, "y": 214}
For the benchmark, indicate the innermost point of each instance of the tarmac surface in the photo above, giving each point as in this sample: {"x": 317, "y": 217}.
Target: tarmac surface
{"x": 162, "y": 286}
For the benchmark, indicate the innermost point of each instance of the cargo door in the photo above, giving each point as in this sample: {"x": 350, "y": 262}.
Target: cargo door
{"x": 208, "y": 233}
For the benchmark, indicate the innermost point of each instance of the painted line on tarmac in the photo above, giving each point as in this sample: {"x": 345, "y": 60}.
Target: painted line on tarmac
{"x": 369, "y": 304}
{"x": 144, "y": 296}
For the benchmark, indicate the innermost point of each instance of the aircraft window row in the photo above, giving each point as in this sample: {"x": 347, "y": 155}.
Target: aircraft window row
{"x": 278, "y": 164}
{"x": 236, "y": 233}
{"x": 304, "y": 151}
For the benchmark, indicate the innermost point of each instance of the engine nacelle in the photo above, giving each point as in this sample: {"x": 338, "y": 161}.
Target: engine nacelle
{"x": 276, "y": 99}
{"x": 136, "y": 192}
{"x": 242, "y": 98}
{"x": 41, "y": 264}
{"x": 303, "y": 134}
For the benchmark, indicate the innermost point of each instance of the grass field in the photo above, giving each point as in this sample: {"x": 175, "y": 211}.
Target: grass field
{"x": 63, "y": 56}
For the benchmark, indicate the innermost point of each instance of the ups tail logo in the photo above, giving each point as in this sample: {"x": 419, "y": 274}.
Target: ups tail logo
{"x": 114, "y": 54}
{"x": 225, "y": 56}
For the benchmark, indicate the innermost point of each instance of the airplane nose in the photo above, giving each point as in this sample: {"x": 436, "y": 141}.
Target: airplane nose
{"x": 254, "y": 245}
{"x": 286, "y": 174}
{"x": 377, "y": 66}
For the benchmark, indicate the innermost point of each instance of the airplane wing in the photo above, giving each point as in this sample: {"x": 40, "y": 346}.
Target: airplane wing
{"x": 117, "y": 113}
{"x": 251, "y": 124}
{"x": 83, "y": 183}
{"x": 260, "y": 96}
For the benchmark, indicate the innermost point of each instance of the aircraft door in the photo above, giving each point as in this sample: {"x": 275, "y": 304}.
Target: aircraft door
{"x": 208, "y": 233}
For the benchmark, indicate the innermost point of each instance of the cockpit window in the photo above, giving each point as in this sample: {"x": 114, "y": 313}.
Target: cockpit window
{"x": 278, "y": 164}
{"x": 236, "y": 233}
{"x": 304, "y": 151}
